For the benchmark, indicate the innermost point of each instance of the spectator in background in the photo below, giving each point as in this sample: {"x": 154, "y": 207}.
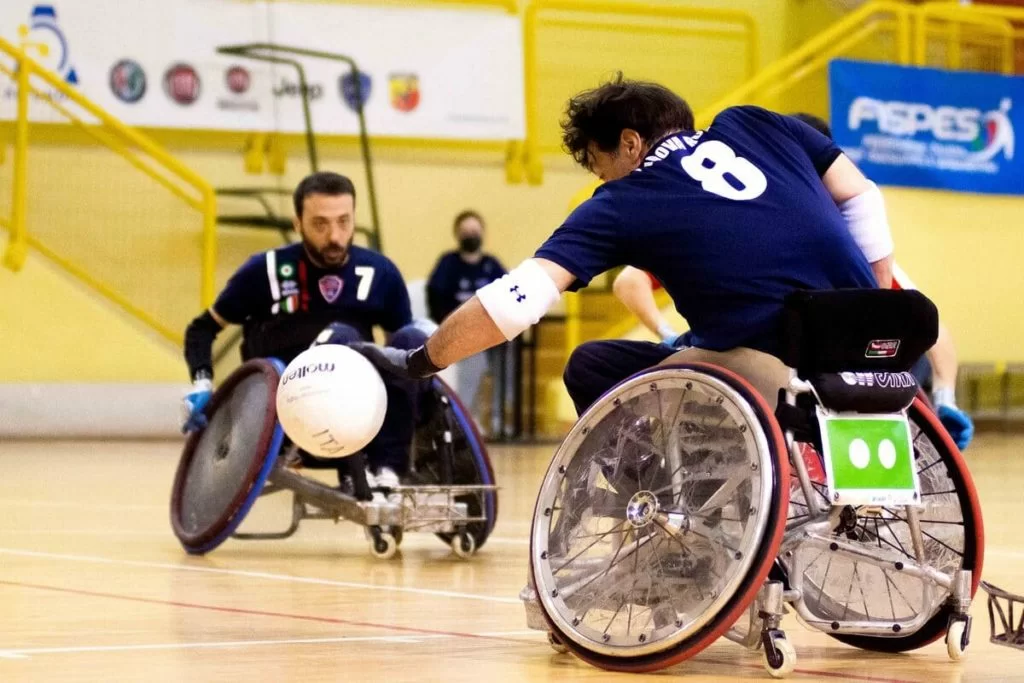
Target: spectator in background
{"x": 454, "y": 280}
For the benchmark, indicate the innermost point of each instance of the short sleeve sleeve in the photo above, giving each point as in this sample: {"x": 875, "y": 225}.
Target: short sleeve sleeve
{"x": 589, "y": 242}
{"x": 246, "y": 292}
{"x": 822, "y": 151}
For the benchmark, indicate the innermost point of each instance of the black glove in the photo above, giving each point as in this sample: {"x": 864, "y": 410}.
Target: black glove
{"x": 414, "y": 364}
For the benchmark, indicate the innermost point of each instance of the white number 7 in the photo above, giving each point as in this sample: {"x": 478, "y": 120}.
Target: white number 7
{"x": 365, "y": 275}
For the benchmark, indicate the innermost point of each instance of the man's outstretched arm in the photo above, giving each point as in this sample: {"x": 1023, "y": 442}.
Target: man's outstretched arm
{"x": 497, "y": 313}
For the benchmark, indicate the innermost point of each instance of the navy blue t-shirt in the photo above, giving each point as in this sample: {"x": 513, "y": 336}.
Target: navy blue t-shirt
{"x": 454, "y": 281}
{"x": 283, "y": 285}
{"x": 730, "y": 220}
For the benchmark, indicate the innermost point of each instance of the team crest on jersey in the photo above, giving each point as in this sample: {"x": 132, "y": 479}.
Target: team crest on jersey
{"x": 330, "y": 287}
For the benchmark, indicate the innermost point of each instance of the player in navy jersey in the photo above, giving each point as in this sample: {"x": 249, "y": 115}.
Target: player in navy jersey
{"x": 730, "y": 220}
{"x": 323, "y": 289}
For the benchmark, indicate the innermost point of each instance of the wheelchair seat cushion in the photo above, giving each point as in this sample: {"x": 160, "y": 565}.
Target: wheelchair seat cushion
{"x": 865, "y": 392}
{"x": 857, "y": 330}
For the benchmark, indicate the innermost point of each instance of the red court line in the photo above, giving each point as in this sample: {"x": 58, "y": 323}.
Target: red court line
{"x": 393, "y": 627}
{"x": 262, "y": 613}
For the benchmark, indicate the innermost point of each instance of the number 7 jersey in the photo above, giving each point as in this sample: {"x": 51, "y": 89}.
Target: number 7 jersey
{"x": 730, "y": 220}
{"x": 284, "y": 286}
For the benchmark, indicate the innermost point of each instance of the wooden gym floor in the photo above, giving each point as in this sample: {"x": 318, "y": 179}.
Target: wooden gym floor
{"x": 94, "y": 587}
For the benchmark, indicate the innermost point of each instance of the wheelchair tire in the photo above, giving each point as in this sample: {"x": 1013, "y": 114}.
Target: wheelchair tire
{"x": 974, "y": 537}
{"x": 472, "y": 464}
{"x": 608, "y": 470}
{"x": 223, "y": 467}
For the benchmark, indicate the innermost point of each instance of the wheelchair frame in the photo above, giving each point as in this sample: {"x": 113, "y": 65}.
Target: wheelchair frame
{"x": 764, "y": 614}
{"x": 427, "y": 508}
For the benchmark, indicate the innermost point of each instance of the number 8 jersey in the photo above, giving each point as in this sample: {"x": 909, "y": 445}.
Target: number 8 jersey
{"x": 730, "y": 220}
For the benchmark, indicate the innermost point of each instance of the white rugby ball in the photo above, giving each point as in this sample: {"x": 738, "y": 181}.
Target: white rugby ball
{"x": 331, "y": 401}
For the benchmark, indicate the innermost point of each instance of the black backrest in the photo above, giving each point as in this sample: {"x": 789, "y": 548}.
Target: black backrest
{"x": 857, "y": 330}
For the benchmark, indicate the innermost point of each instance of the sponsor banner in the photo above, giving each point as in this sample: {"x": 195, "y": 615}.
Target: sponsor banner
{"x": 951, "y": 130}
{"x": 424, "y": 72}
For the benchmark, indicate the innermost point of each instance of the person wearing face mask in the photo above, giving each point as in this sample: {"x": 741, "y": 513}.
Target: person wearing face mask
{"x": 322, "y": 289}
{"x": 454, "y": 280}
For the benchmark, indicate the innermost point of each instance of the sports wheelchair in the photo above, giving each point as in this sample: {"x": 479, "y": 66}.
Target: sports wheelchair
{"x": 243, "y": 455}
{"x": 680, "y": 509}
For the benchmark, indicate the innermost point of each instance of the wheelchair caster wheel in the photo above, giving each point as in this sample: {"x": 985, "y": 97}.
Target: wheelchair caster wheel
{"x": 463, "y": 546}
{"x": 958, "y": 637}
{"x": 779, "y": 656}
{"x": 383, "y": 545}
{"x": 556, "y": 644}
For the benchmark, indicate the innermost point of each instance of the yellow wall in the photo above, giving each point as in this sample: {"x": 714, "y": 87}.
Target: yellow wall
{"x": 965, "y": 251}
{"x": 51, "y": 330}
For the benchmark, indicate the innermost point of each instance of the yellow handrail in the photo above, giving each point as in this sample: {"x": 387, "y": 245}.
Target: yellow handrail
{"x": 847, "y": 43}
{"x": 959, "y": 15}
{"x": 531, "y": 152}
{"x": 17, "y": 246}
{"x": 126, "y": 142}
{"x": 510, "y": 6}
{"x": 812, "y": 50}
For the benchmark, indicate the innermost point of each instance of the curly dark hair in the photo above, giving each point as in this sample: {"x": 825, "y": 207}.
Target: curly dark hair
{"x": 814, "y": 122}
{"x": 601, "y": 114}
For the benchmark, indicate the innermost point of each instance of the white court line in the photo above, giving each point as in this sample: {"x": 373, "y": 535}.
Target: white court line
{"x": 81, "y": 532}
{"x": 498, "y": 540}
{"x": 257, "y": 575}
{"x": 8, "y": 502}
{"x": 24, "y": 653}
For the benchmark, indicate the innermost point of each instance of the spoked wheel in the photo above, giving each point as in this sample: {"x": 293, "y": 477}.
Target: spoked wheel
{"x": 840, "y": 588}
{"x": 659, "y": 517}
{"x": 446, "y": 431}
{"x": 223, "y": 467}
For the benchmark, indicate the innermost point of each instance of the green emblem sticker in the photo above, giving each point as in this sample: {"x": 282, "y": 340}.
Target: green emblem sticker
{"x": 869, "y": 459}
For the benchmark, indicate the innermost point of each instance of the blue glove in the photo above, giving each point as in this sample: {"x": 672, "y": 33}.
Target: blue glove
{"x": 958, "y": 424}
{"x": 192, "y": 406}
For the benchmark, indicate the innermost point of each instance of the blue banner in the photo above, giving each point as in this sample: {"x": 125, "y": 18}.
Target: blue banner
{"x": 951, "y": 130}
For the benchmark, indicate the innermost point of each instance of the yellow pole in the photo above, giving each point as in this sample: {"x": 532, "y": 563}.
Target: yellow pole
{"x": 17, "y": 248}
{"x": 209, "y": 257}
{"x": 954, "y": 57}
{"x": 572, "y": 322}
{"x": 531, "y": 147}
{"x": 903, "y": 33}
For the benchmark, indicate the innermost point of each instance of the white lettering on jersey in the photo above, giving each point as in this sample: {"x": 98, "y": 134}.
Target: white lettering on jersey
{"x": 710, "y": 163}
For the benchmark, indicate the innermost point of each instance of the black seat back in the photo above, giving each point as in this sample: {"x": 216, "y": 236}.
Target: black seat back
{"x": 857, "y": 330}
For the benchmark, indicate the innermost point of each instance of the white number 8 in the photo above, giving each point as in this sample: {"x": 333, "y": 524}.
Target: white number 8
{"x": 724, "y": 160}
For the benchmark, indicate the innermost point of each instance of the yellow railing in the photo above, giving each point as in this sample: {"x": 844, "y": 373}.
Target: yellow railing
{"x": 37, "y": 85}
{"x": 526, "y": 159}
{"x": 912, "y": 27}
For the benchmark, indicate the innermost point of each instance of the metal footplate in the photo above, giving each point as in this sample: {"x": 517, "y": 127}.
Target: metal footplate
{"x": 429, "y": 509}
{"x": 434, "y": 508}
{"x": 1010, "y": 630}
{"x": 534, "y": 616}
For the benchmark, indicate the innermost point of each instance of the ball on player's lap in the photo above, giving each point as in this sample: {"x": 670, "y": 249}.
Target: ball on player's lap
{"x": 331, "y": 401}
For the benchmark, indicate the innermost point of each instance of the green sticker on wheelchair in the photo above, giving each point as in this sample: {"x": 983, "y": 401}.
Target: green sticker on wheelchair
{"x": 869, "y": 459}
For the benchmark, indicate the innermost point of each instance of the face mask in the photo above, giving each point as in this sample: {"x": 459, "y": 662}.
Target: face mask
{"x": 470, "y": 244}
